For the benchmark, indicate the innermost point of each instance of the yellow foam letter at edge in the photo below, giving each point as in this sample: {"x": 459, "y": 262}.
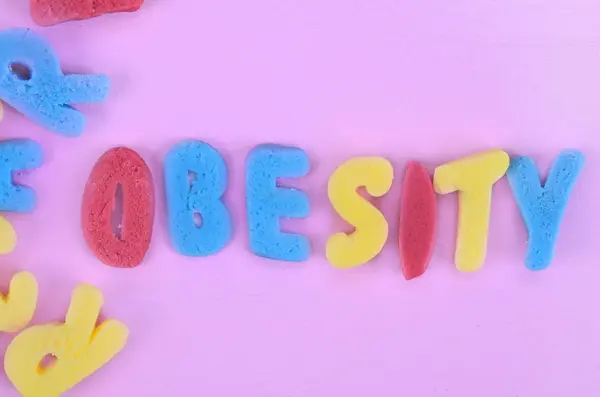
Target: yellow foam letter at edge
{"x": 8, "y": 236}
{"x": 376, "y": 175}
{"x": 80, "y": 348}
{"x": 18, "y": 306}
{"x": 473, "y": 177}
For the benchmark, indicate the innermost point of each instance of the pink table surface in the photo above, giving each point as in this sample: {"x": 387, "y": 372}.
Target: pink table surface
{"x": 430, "y": 80}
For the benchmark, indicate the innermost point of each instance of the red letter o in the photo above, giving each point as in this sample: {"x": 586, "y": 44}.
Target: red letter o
{"x": 124, "y": 169}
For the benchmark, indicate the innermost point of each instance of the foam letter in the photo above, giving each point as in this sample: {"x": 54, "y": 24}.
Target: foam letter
{"x": 376, "y": 174}
{"x": 17, "y": 155}
{"x": 119, "y": 172}
{"x": 195, "y": 181}
{"x": 78, "y": 347}
{"x": 18, "y": 306}
{"x": 543, "y": 207}
{"x": 8, "y": 236}
{"x": 473, "y": 177}
{"x": 266, "y": 202}
{"x": 418, "y": 220}
{"x": 32, "y": 82}
{"x": 52, "y": 12}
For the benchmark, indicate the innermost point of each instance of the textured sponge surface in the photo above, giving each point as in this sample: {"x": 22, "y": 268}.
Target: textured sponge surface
{"x": 266, "y": 202}
{"x": 376, "y": 175}
{"x": 418, "y": 219}
{"x": 18, "y": 155}
{"x": 52, "y": 12}
{"x": 79, "y": 345}
{"x": 542, "y": 206}
{"x": 31, "y": 81}
{"x": 18, "y": 305}
{"x": 195, "y": 180}
{"x": 119, "y": 242}
{"x": 473, "y": 177}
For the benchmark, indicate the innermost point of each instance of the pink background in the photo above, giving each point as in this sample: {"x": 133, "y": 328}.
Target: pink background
{"x": 428, "y": 80}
